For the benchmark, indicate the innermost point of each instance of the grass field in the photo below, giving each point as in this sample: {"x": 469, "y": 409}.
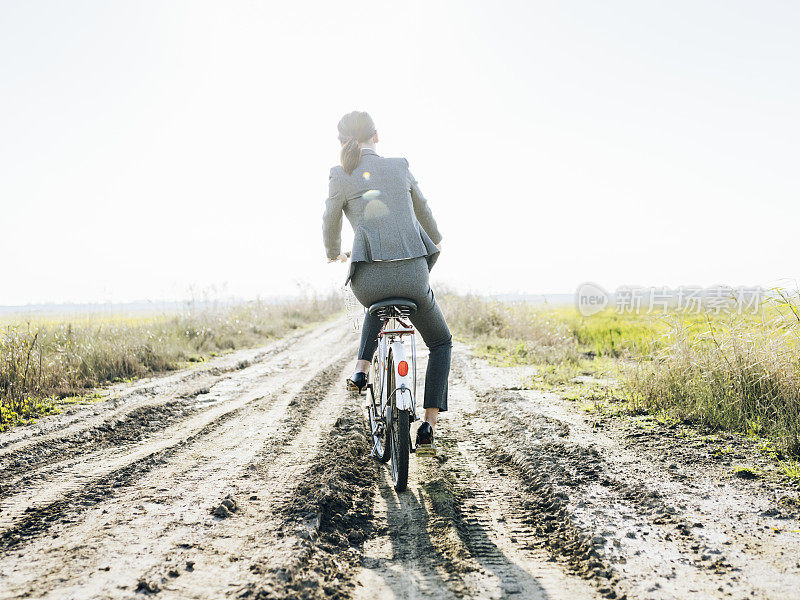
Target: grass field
{"x": 45, "y": 361}
{"x": 732, "y": 372}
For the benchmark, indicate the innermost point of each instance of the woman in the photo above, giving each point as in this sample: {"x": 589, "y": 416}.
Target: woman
{"x": 396, "y": 242}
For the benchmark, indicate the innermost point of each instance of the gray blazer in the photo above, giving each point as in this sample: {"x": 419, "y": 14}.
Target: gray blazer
{"x": 389, "y": 215}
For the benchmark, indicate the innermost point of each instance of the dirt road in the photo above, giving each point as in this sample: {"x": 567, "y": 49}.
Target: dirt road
{"x": 248, "y": 477}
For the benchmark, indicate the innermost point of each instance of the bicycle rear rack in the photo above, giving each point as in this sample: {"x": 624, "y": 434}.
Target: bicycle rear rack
{"x": 397, "y": 312}
{"x": 399, "y": 327}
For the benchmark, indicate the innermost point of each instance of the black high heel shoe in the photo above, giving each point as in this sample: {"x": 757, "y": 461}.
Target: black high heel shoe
{"x": 357, "y": 382}
{"x": 425, "y": 445}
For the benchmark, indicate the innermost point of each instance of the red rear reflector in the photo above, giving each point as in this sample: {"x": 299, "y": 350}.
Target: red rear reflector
{"x": 402, "y": 368}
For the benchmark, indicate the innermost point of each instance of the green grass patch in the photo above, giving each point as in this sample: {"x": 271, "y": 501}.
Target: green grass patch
{"x": 721, "y": 372}
{"x": 615, "y": 335}
{"x": 26, "y": 411}
{"x": 790, "y": 470}
{"x": 736, "y": 375}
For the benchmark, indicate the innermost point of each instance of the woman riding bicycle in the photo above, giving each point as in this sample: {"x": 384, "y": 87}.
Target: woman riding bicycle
{"x": 396, "y": 242}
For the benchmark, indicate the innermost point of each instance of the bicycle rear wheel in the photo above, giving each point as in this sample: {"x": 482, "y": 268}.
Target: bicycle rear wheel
{"x": 400, "y": 450}
{"x": 399, "y": 434}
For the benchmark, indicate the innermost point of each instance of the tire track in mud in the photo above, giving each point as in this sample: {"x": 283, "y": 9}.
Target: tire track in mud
{"x": 521, "y": 501}
{"x": 545, "y": 468}
{"x": 595, "y": 494}
{"x": 158, "y": 524}
{"x": 131, "y": 427}
{"x": 188, "y": 552}
{"x": 52, "y": 435}
{"x": 38, "y": 520}
{"x": 29, "y": 513}
{"x": 148, "y": 406}
{"x": 505, "y": 520}
{"x": 557, "y": 473}
{"x": 328, "y": 515}
{"x": 415, "y": 551}
{"x": 511, "y": 527}
{"x": 535, "y": 450}
{"x": 461, "y": 530}
{"x": 266, "y": 483}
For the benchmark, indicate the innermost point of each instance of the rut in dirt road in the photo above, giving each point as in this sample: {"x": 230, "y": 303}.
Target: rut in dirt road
{"x": 251, "y": 478}
{"x": 531, "y": 498}
{"x": 112, "y": 522}
{"x": 84, "y": 479}
{"x": 661, "y": 519}
{"x": 460, "y": 531}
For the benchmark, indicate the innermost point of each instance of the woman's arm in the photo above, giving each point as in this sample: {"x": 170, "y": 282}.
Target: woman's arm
{"x": 332, "y": 218}
{"x": 423, "y": 211}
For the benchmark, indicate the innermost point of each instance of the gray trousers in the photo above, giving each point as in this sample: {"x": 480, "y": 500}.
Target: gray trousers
{"x": 375, "y": 281}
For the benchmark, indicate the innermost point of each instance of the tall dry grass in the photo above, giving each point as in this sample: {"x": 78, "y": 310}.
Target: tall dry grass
{"x": 738, "y": 374}
{"x": 734, "y": 372}
{"x": 523, "y": 332}
{"x": 59, "y": 357}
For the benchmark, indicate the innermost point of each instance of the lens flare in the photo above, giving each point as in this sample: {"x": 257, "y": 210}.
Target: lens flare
{"x": 366, "y": 175}
{"x": 371, "y": 194}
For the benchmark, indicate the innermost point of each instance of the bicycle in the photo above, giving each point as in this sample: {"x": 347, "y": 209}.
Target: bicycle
{"x": 391, "y": 389}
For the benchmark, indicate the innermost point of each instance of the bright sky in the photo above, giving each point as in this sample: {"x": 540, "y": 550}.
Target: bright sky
{"x": 150, "y": 146}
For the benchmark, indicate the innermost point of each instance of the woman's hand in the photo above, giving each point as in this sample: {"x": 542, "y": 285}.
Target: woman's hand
{"x": 341, "y": 258}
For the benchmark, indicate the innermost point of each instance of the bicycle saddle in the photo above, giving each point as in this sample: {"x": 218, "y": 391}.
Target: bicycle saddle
{"x": 404, "y": 306}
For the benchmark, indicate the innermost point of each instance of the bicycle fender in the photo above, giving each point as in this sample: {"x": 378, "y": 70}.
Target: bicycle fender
{"x": 403, "y": 399}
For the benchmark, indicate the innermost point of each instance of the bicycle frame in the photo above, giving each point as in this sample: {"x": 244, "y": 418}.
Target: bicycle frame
{"x": 390, "y": 341}
{"x": 392, "y": 410}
